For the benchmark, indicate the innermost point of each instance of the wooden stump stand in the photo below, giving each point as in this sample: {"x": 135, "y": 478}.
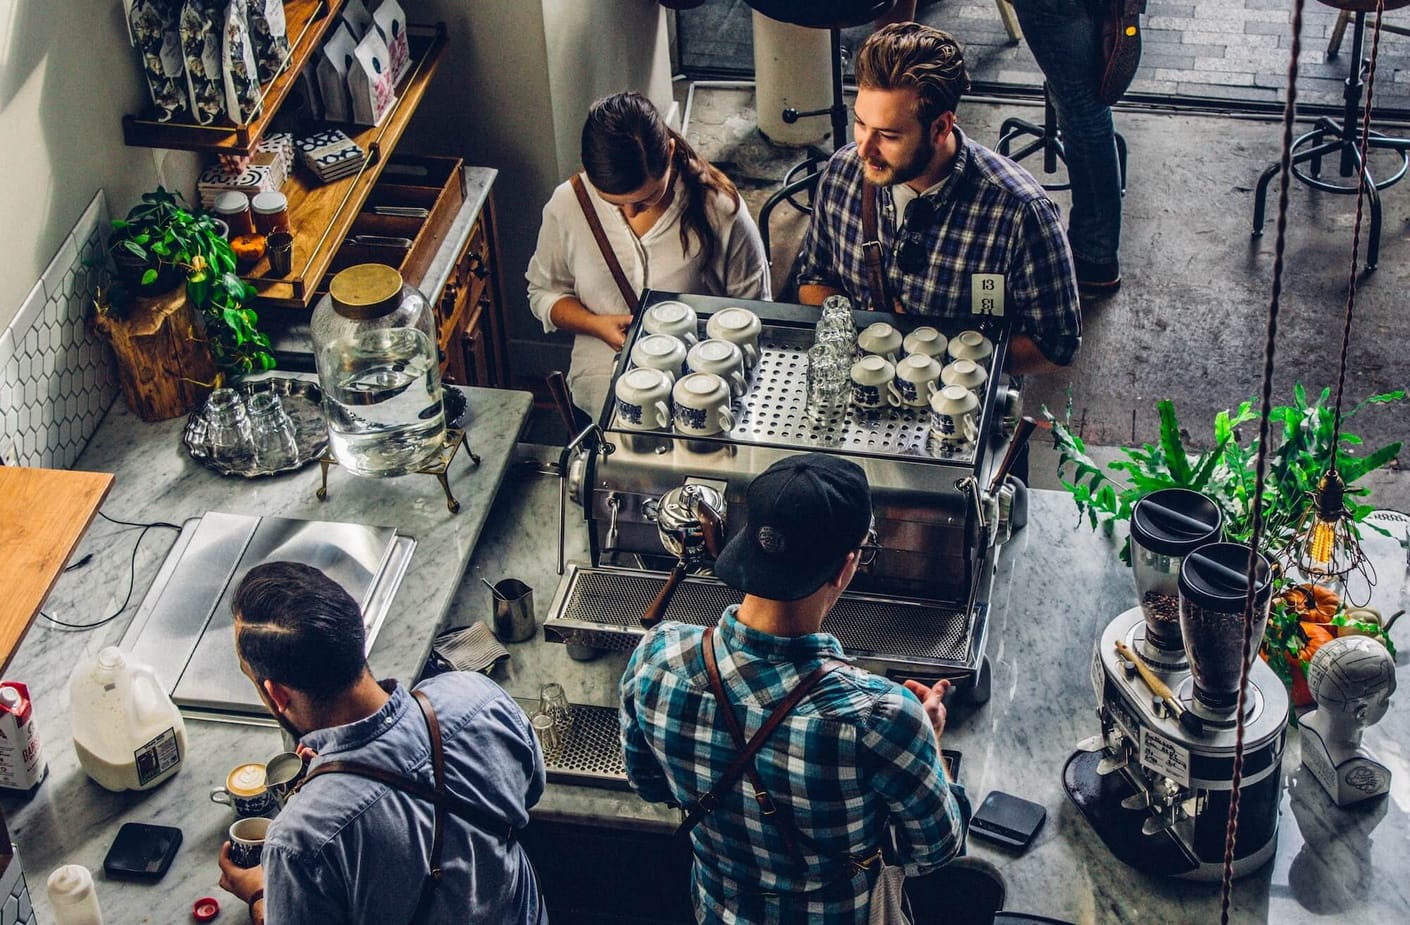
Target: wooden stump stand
{"x": 164, "y": 362}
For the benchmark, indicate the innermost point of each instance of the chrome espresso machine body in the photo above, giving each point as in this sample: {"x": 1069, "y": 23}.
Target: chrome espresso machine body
{"x": 919, "y": 612}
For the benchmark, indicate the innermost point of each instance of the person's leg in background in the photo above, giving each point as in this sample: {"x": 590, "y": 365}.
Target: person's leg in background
{"x": 1065, "y": 41}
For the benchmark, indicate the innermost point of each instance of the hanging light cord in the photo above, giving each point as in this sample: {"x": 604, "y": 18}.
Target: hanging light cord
{"x": 1274, "y": 303}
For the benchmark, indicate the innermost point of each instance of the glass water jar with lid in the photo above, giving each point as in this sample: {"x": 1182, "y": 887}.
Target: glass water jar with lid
{"x": 1166, "y": 526}
{"x": 374, "y": 341}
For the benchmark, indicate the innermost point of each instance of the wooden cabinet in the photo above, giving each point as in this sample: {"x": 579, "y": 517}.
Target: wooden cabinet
{"x": 470, "y": 312}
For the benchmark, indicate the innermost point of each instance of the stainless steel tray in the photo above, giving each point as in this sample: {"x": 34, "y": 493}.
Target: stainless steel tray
{"x": 302, "y": 399}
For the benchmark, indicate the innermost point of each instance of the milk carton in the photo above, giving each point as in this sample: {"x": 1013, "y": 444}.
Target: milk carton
{"x": 22, "y": 766}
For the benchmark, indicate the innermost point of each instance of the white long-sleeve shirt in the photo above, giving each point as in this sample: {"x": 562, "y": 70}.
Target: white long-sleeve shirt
{"x": 567, "y": 262}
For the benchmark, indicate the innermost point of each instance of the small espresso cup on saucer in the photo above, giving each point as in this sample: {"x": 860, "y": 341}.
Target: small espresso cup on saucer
{"x": 282, "y": 774}
{"x": 966, "y": 373}
{"x": 702, "y": 405}
{"x": 721, "y": 357}
{"x": 926, "y": 340}
{"x": 674, "y": 318}
{"x": 644, "y": 399}
{"x": 880, "y": 339}
{"x": 872, "y": 387}
{"x": 245, "y": 791}
{"x": 247, "y": 840}
{"x": 916, "y": 377}
{"x": 954, "y": 417}
{"x": 665, "y": 352}
{"x": 971, "y": 345}
{"x": 739, "y": 326}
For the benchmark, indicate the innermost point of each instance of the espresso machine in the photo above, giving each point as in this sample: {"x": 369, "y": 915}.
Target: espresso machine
{"x": 1156, "y": 782}
{"x": 659, "y": 504}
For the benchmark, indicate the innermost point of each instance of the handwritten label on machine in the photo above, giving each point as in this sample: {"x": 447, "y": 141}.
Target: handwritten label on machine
{"x": 1165, "y": 757}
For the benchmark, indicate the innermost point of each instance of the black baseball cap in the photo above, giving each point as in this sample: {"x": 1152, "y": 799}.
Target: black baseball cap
{"x": 805, "y": 513}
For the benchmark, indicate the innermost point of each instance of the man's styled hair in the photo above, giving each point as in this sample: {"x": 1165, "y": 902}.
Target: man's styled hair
{"x": 912, "y": 56}
{"x": 297, "y": 626}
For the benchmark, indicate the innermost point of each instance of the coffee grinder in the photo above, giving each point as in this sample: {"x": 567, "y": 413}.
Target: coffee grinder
{"x": 1156, "y": 782}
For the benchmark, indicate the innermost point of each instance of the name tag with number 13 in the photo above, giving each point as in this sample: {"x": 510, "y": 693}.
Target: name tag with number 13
{"x": 986, "y": 294}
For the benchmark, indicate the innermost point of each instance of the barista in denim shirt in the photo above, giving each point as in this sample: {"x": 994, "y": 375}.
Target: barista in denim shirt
{"x": 350, "y": 849}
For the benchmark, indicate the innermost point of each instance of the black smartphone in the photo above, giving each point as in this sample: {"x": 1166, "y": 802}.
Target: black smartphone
{"x": 1007, "y": 819}
{"x": 951, "y": 759}
{"x": 141, "y": 851}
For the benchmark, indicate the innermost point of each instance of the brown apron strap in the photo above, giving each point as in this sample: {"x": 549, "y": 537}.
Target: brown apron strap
{"x": 873, "y": 253}
{"x": 600, "y": 236}
{"x": 438, "y": 767}
{"x": 743, "y": 763}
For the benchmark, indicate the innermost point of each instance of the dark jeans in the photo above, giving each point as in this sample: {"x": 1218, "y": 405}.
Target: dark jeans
{"x": 1066, "y": 45}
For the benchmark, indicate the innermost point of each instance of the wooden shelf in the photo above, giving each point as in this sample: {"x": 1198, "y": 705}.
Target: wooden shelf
{"x": 322, "y": 213}
{"x": 308, "y": 21}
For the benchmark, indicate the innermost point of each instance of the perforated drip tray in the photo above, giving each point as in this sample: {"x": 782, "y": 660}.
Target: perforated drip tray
{"x": 590, "y": 753}
{"x": 602, "y": 608}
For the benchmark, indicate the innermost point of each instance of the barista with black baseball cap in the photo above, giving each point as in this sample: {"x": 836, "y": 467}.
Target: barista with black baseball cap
{"x": 855, "y": 752}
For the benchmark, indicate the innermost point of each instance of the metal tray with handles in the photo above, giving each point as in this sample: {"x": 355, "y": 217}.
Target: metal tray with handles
{"x": 302, "y": 401}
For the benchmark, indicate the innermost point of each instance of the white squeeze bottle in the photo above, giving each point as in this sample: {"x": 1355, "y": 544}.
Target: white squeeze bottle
{"x": 127, "y": 732}
{"x": 72, "y": 897}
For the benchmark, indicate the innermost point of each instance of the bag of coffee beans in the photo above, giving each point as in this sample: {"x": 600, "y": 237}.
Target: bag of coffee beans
{"x": 200, "y": 47}
{"x": 271, "y": 37}
{"x": 153, "y": 28}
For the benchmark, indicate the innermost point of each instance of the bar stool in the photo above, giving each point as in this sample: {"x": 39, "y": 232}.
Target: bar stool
{"x": 1328, "y": 137}
{"x": 1048, "y": 139}
{"x": 833, "y": 15}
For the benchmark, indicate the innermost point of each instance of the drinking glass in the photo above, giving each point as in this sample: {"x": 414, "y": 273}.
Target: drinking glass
{"x": 550, "y": 737}
{"x": 227, "y": 426}
{"x": 554, "y": 702}
{"x": 829, "y": 379}
{"x": 271, "y": 432}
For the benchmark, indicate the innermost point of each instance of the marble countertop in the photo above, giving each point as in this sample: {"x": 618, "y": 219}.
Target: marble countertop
{"x": 1059, "y": 585}
{"x": 71, "y": 819}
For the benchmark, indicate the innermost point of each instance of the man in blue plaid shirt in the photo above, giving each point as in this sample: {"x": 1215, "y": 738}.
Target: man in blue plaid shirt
{"x": 858, "y": 750}
{"x": 960, "y": 230}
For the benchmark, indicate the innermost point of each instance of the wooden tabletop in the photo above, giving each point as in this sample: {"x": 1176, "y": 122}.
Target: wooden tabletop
{"x": 43, "y": 513}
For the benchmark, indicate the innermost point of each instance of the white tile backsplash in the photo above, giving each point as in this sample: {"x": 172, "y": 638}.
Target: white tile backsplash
{"x": 57, "y": 376}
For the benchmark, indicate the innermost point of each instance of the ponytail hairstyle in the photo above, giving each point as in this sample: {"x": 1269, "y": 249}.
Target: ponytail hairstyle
{"x": 627, "y": 144}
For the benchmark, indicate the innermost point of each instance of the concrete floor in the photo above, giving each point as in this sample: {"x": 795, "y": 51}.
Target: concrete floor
{"x": 1191, "y": 319}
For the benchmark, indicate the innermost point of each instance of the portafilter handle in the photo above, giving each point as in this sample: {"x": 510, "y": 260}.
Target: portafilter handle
{"x": 657, "y": 608}
{"x": 1020, "y": 438}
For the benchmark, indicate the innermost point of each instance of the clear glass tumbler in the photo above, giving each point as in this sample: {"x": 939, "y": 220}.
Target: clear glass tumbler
{"x": 228, "y": 426}
{"x": 272, "y": 433}
{"x": 829, "y": 380}
{"x": 553, "y": 700}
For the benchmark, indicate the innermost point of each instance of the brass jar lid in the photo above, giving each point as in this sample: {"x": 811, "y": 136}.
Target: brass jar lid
{"x": 368, "y": 290}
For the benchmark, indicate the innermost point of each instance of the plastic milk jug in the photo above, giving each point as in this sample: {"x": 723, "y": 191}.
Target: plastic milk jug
{"x": 72, "y": 896}
{"x": 22, "y": 766}
{"x": 127, "y": 732}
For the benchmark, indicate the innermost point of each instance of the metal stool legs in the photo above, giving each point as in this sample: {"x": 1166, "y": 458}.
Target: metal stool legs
{"x": 1048, "y": 139}
{"x": 1328, "y": 138}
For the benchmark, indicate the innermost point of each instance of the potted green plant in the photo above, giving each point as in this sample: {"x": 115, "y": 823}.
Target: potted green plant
{"x": 160, "y": 244}
{"x": 1226, "y": 474}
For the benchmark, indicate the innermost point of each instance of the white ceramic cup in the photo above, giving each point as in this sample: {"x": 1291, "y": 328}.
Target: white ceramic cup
{"x": 665, "y": 352}
{"x": 674, "y": 318}
{"x": 880, "y": 339}
{"x": 739, "y": 326}
{"x": 966, "y": 373}
{"x": 872, "y": 387}
{"x": 644, "y": 399}
{"x": 721, "y": 357}
{"x": 926, "y": 340}
{"x": 954, "y": 416}
{"x": 916, "y": 378}
{"x": 971, "y": 345}
{"x": 702, "y": 405}
{"x": 247, "y": 840}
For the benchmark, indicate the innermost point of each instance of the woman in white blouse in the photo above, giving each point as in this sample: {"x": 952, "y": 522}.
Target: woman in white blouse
{"x": 674, "y": 222}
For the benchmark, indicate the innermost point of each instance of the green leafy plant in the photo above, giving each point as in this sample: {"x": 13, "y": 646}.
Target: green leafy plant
{"x": 1226, "y": 474}
{"x": 160, "y": 236}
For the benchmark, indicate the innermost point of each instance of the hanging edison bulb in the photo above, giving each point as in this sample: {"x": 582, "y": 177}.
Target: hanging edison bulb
{"x": 1326, "y": 547}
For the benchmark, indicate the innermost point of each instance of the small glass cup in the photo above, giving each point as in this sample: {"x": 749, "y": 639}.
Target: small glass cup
{"x": 553, "y": 701}
{"x": 227, "y": 426}
{"x": 829, "y": 380}
{"x": 550, "y": 737}
{"x": 271, "y": 432}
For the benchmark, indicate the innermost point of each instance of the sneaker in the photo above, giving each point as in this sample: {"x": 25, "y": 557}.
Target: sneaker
{"x": 1096, "y": 280}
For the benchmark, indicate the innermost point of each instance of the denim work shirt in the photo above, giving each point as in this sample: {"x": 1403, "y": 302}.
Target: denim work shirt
{"x": 350, "y": 849}
{"x": 855, "y": 752}
{"x": 991, "y": 217}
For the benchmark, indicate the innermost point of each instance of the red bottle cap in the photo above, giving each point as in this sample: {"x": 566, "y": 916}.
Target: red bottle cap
{"x": 205, "y": 909}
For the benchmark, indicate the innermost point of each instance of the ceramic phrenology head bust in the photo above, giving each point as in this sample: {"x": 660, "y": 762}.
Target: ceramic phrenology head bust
{"x": 1352, "y": 679}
